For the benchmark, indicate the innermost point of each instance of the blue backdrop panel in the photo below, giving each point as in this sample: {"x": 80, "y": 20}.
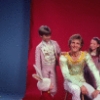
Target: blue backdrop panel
{"x": 14, "y": 40}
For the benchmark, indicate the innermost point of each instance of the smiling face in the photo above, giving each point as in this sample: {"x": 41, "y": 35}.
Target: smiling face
{"x": 75, "y": 45}
{"x": 93, "y": 45}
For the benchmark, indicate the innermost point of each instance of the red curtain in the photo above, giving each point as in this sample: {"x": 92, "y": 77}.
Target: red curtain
{"x": 64, "y": 17}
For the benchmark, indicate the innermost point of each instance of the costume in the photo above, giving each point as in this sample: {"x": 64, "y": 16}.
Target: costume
{"x": 45, "y": 61}
{"x": 96, "y": 60}
{"x": 73, "y": 74}
{"x": 88, "y": 74}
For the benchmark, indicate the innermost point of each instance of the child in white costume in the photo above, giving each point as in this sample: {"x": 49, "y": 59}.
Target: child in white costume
{"x": 46, "y": 56}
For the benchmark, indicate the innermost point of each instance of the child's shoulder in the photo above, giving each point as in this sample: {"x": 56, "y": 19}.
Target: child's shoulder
{"x": 39, "y": 45}
{"x": 54, "y": 41}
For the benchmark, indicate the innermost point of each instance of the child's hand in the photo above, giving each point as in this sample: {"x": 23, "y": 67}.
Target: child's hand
{"x": 36, "y": 77}
{"x": 95, "y": 93}
{"x": 51, "y": 86}
{"x": 63, "y": 53}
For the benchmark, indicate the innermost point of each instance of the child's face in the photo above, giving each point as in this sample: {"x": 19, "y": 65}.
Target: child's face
{"x": 94, "y": 45}
{"x": 46, "y": 38}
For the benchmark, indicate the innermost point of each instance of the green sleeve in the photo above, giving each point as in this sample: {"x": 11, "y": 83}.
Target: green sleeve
{"x": 65, "y": 71}
{"x": 93, "y": 69}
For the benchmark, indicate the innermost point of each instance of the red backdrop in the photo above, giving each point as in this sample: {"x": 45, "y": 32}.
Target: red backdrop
{"x": 64, "y": 17}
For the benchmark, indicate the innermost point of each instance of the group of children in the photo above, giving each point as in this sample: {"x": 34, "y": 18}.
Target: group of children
{"x": 72, "y": 66}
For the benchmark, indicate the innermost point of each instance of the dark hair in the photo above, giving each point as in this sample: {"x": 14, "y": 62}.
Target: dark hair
{"x": 98, "y": 49}
{"x": 76, "y": 36}
{"x": 44, "y": 30}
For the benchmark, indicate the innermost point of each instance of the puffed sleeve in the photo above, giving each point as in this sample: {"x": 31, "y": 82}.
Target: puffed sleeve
{"x": 93, "y": 69}
{"x": 65, "y": 71}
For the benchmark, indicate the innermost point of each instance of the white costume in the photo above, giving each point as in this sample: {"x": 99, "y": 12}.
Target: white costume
{"x": 45, "y": 61}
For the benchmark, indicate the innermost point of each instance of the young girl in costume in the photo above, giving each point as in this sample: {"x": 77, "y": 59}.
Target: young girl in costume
{"x": 94, "y": 51}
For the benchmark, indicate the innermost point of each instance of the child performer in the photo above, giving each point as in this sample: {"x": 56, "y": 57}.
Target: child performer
{"x": 94, "y": 51}
{"x": 46, "y": 56}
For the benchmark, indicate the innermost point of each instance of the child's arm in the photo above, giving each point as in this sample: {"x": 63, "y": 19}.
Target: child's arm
{"x": 58, "y": 48}
{"x": 38, "y": 59}
{"x": 58, "y": 52}
{"x": 93, "y": 69}
{"x": 63, "y": 53}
